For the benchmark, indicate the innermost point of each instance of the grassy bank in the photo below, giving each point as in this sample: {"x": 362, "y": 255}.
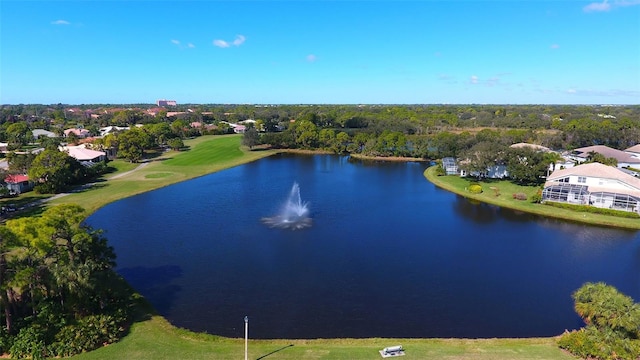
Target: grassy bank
{"x": 205, "y": 155}
{"x": 156, "y": 339}
{"x": 500, "y": 192}
{"x": 152, "y": 337}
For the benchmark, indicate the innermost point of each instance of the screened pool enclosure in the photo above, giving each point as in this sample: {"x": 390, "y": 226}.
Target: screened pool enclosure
{"x": 580, "y": 195}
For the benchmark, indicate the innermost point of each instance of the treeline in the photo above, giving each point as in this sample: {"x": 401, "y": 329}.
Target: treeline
{"x": 563, "y": 126}
{"x": 59, "y": 295}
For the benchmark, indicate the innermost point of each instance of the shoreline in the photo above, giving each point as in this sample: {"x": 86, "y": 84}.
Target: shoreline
{"x": 158, "y": 325}
{"x": 539, "y": 209}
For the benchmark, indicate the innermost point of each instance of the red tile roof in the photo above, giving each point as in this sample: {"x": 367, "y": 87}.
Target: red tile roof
{"x": 14, "y": 179}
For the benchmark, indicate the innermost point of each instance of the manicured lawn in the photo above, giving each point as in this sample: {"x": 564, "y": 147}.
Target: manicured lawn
{"x": 156, "y": 339}
{"x": 206, "y": 154}
{"x": 500, "y": 192}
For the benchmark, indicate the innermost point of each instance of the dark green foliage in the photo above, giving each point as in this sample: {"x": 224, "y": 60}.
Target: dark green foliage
{"x": 537, "y": 197}
{"x": 251, "y": 137}
{"x": 60, "y": 294}
{"x": 30, "y": 343}
{"x": 87, "y": 334}
{"x": 175, "y": 143}
{"x": 588, "y": 343}
{"x": 613, "y": 324}
{"x": 594, "y": 210}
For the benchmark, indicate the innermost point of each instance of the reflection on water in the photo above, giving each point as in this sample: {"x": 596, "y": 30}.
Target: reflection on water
{"x": 389, "y": 255}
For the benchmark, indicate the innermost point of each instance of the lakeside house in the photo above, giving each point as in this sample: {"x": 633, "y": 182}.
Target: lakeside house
{"x": 594, "y": 184}
{"x": 625, "y": 158}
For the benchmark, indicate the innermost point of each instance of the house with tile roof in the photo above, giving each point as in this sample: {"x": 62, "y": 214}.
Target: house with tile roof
{"x": 624, "y": 158}
{"x": 80, "y": 133}
{"x": 594, "y": 184}
{"x": 17, "y": 184}
{"x": 633, "y": 151}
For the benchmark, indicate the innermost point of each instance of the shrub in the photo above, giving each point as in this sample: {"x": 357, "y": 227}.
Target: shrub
{"x": 475, "y": 188}
{"x": 520, "y": 196}
{"x": 29, "y": 343}
{"x": 594, "y": 210}
{"x": 88, "y": 334}
{"x": 537, "y": 197}
{"x": 589, "y": 343}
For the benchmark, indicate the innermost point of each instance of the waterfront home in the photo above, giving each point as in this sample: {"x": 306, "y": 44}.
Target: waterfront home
{"x": 624, "y": 158}
{"x": 594, "y": 184}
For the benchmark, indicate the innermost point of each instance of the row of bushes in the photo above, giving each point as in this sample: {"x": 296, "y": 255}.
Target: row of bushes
{"x": 40, "y": 341}
{"x": 594, "y": 210}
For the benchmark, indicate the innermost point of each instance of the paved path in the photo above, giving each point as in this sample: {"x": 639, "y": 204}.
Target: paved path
{"x": 86, "y": 186}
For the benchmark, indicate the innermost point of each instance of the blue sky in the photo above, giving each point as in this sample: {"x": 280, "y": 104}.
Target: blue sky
{"x": 320, "y": 52}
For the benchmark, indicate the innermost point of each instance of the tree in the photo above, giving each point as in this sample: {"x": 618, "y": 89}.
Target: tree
{"x": 613, "y": 324}
{"x": 483, "y": 156}
{"x": 132, "y": 143}
{"x": 52, "y": 170}
{"x": 526, "y": 165}
{"x": 175, "y": 143}
{"x": 251, "y": 137}
{"x": 18, "y": 134}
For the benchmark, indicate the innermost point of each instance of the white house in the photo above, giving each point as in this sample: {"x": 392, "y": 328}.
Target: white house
{"x": 594, "y": 184}
{"x": 85, "y": 155}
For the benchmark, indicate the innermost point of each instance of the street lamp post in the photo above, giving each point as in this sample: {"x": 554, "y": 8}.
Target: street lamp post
{"x": 246, "y": 336}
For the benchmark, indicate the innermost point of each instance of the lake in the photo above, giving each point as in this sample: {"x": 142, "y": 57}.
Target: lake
{"x": 388, "y": 255}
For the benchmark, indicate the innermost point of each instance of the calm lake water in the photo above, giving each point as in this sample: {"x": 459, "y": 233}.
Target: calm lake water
{"x": 388, "y": 255}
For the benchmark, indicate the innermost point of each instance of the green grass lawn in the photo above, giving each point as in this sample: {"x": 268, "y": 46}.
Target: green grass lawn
{"x": 157, "y": 339}
{"x": 500, "y": 192}
{"x": 152, "y": 337}
{"x": 206, "y": 154}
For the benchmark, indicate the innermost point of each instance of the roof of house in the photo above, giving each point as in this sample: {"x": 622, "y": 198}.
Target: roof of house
{"x": 79, "y": 132}
{"x": 595, "y": 170}
{"x": 40, "y": 132}
{"x": 619, "y": 155}
{"x": 14, "y": 179}
{"x": 82, "y": 154}
{"x": 533, "y": 146}
{"x": 634, "y": 149}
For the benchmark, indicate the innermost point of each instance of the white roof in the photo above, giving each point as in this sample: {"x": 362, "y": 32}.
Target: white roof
{"x": 82, "y": 154}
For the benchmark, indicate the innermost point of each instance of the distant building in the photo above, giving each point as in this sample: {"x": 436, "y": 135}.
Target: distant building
{"x": 164, "y": 103}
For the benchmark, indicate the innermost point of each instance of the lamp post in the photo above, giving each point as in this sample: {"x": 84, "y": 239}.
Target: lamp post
{"x": 246, "y": 336}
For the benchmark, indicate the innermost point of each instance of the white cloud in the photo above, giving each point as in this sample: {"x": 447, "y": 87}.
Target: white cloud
{"x": 239, "y": 40}
{"x": 605, "y": 5}
{"x": 190, "y": 46}
{"x": 597, "y": 7}
{"x": 175, "y": 42}
{"x": 473, "y": 79}
{"x": 220, "y": 43}
{"x": 60, "y": 22}
{"x": 311, "y": 58}
{"x": 555, "y": 46}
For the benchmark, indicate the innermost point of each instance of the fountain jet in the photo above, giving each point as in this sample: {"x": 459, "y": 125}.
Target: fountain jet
{"x": 294, "y": 214}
